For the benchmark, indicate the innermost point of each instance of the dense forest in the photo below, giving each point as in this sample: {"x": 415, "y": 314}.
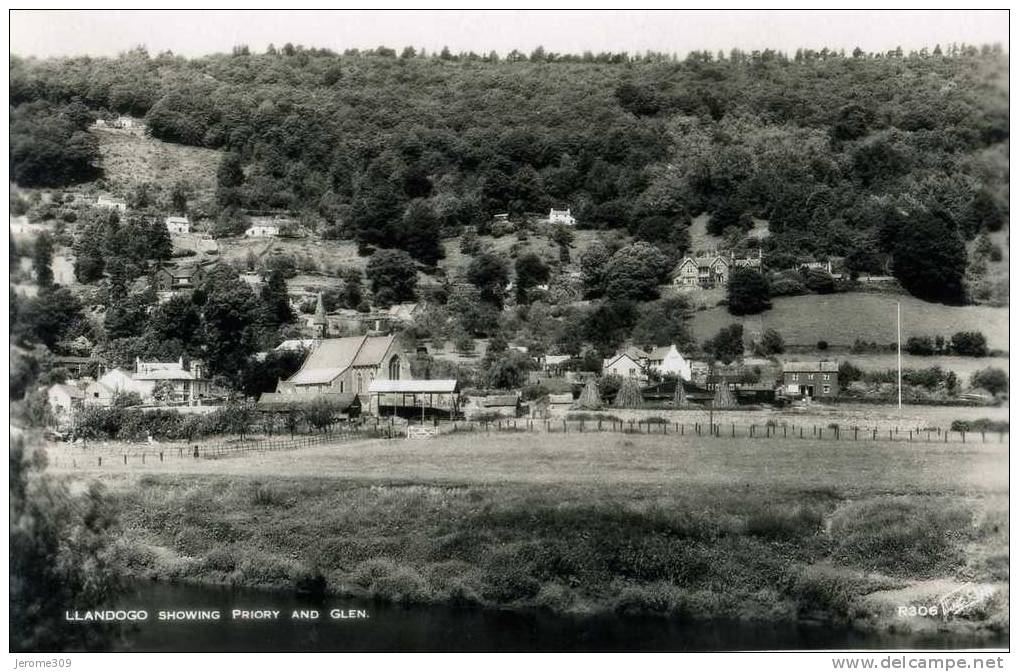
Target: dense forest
{"x": 839, "y": 152}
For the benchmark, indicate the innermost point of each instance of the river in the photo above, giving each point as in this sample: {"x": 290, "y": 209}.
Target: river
{"x": 376, "y": 626}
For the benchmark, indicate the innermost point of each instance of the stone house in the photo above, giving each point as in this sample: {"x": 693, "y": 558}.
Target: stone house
{"x": 811, "y": 380}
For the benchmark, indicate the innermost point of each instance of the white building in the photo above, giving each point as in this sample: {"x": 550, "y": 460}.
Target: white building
{"x": 111, "y": 203}
{"x": 622, "y": 365}
{"x": 561, "y": 217}
{"x": 262, "y": 231}
{"x": 64, "y": 400}
{"x": 178, "y": 225}
{"x": 668, "y": 359}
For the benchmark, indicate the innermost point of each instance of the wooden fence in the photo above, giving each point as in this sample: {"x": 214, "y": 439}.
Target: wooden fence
{"x": 831, "y": 432}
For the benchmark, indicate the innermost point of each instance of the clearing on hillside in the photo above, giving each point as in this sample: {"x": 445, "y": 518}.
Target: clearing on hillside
{"x": 129, "y": 157}
{"x": 840, "y": 319}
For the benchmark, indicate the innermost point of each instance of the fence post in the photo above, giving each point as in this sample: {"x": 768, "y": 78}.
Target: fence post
{"x": 100, "y": 460}
{"x": 160, "y": 456}
{"x": 856, "y": 433}
{"x": 125, "y": 458}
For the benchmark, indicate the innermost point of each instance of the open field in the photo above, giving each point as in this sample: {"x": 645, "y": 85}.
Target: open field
{"x": 131, "y": 157}
{"x": 840, "y": 319}
{"x": 691, "y": 527}
{"x": 311, "y": 254}
{"x": 964, "y": 367}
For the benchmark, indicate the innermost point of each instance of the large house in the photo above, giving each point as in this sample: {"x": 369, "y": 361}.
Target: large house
{"x": 561, "y": 217}
{"x": 624, "y": 365}
{"x": 178, "y": 278}
{"x": 262, "y": 231}
{"x": 171, "y": 381}
{"x": 178, "y": 225}
{"x": 111, "y": 203}
{"x": 707, "y": 271}
{"x": 348, "y": 364}
{"x": 64, "y": 400}
{"x": 668, "y": 359}
{"x": 811, "y": 380}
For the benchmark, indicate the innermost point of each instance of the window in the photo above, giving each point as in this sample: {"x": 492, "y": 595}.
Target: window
{"x": 394, "y": 368}
{"x": 827, "y": 389}
{"x": 341, "y": 387}
{"x": 360, "y": 384}
{"x": 827, "y": 376}
{"x": 794, "y": 376}
{"x": 810, "y": 376}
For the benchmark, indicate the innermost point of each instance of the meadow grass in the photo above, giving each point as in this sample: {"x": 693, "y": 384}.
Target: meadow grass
{"x": 579, "y": 524}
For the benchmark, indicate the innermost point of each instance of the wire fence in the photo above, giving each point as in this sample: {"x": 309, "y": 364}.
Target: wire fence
{"x": 95, "y": 454}
{"x": 831, "y": 432}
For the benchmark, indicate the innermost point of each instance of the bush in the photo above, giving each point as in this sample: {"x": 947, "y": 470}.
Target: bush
{"x": 981, "y": 425}
{"x": 991, "y": 379}
{"x": 784, "y": 524}
{"x": 922, "y": 346}
{"x": 969, "y": 344}
{"x": 903, "y": 536}
{"x": 748, "y": 292}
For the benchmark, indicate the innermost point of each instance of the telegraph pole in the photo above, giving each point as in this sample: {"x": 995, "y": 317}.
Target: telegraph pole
{"x": 898, "y": 346}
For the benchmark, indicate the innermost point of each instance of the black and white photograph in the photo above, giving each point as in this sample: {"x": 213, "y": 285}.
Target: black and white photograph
{"x": 509, "y": 331}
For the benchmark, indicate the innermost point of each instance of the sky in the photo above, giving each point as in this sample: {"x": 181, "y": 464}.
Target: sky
{"x": 197, "y": 32}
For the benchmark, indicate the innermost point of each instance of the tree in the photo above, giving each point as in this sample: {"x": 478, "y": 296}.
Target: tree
{"x": 921, "y": 346}
{"x": 984, "y": 213}
{"x": 231, "y": 313}
{"x": 421, "y": 235}
{"x": 42, "y": 260}
{"x": 393, "y": 276}
{"x": 635, "y": 272}
{"x": 771, "y": 343}
{"x": 530, "y": 271}
{"x": 229, "y": 180}
{"x": 60, "y": 554}
{"x": 929, "y": 258}
{"x": 819, "y": 281}
{"x": 489, "y": 272}
{"x": 993, "y": 380}
{"x": 320, "y": 413}
{"x": 729, "y": 214}
{"x": 727, "y": 344}
{"x": 663, "y": 322}
{"x": 351, "y": 295}
{"x": 748, "y": 292}
{"x": 163, "y": 391}
{"x": 592, "y": 268}
{"x": 276, "y": 300}
{"x": 969, "y": 344}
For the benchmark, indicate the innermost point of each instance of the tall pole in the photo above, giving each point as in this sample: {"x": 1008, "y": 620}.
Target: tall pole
{"x": 898, "y": 346}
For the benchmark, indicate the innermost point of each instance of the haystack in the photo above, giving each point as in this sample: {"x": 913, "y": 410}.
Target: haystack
{"x": 589, "y": 399}
{"x": 723, "y": 396}
{"x": 679, "y": 398}
{"x": 629, "y": 395}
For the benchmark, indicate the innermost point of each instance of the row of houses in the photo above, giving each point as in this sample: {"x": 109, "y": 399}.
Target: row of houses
{"x": 712, "y": 270}
{"x": 166, "y": 383}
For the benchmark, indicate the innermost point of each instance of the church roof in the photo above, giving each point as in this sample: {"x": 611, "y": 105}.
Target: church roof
{"x": 332, "y": 356}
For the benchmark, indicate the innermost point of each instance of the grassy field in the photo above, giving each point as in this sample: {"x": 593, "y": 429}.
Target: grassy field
{"x": 694, "y": 528}
{"x": 131, "y": 157}
{"x": 840, "y": 319}
{"x": 964, "y": 367}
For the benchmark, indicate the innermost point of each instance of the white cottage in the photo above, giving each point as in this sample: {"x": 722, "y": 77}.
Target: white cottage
{"x": 178, "y": 225}
{"x": 561, "y": 217}
{"x": 668, "y": 359}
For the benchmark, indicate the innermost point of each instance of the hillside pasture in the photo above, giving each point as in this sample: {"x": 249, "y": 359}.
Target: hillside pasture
{"x": 840, "y": 319}
{"x": 130, "y": 157}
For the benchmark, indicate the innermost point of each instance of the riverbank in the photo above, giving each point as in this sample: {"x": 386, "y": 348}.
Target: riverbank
{"x": 689, "y": 528}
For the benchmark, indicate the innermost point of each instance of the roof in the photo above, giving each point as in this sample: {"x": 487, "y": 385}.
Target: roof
{"x": 175, "y": 219}
{"x": 373, "y": 350}
{"x": 441, "y": 386}
{"x": 795, "y": 367}
{"x": 660, "y": 352}
{"x": 69, "y": 390}
{"x": 166, "y": 374}
{"x": 328, "y": 360}
{"x": 615, "y": 358}
{"x": 181, "y": 271}
{"x": 564, "y": 398}
{"x": 556, "y": 359}
{"x": 280, "y": 401}
{"x": 296, "y": 344}
{"x": 499, "y": 400}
